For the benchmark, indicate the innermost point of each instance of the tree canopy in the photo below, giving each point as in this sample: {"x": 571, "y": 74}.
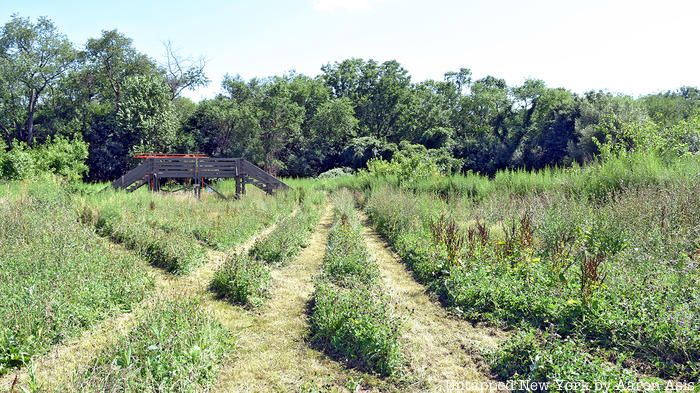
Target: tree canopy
{"x": 113, "y": 100}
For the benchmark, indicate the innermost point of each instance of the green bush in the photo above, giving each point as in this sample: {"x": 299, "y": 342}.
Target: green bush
{"x": 176, "y": 347}
{"x": 62, "y": 157}
{"x": 242, "y": 280}
{"x": 18, "y": 163}
{"x": 544, "y": 358}
{"x": 59, "y": 156}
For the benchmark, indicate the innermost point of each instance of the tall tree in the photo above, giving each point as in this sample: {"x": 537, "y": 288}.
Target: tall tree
{"x": 36, "y": 56}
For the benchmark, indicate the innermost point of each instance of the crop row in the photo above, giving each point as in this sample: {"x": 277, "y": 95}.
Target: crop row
{"x": 352, "y": 317}
{"x": 175, "y": 347}
{"x": 245, "y": 278}
{"x": 617, "y": 276}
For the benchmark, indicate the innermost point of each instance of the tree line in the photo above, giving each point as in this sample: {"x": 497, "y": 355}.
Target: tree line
{"x": 104, "y": 101}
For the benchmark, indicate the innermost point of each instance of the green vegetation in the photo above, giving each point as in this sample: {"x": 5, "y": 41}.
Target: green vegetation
{"x": 58, "y": 277}
{"x": 176, "y": 347}
{"x": 173, "y": 232}
{"x": 111, "y": 101}
{"x": 609, "y": 264}
{"x": 285, "y": 241}
{"x": 571, "y": 219}
{"x": 351, "y": 316}
{"x": 244, "y": 279}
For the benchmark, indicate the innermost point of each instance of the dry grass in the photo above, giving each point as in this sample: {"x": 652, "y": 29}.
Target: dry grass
{"x": 439, "y": 348}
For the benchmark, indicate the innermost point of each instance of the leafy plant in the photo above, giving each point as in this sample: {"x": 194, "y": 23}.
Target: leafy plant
{"x": 176, "y": 347}
{"x": 242, "y": 280}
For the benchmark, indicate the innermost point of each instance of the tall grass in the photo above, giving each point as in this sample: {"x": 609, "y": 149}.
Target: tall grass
{"x": 176, "y": 347}
{"x": 613, "y": 265}
{"x": 58, "y": 277}
{"x": 351, "y": 316}
{"x": 593, "y": 181}
{"x": 174, "y": 231}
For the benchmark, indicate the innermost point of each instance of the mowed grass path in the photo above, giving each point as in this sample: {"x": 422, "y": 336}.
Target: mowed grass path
{"x": 441, "y": 351}
{"x": 54, "y": 371}
{"x": 272, "y": 353}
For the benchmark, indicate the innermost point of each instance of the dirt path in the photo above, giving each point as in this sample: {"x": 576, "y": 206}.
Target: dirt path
{"x": 54, "y": 370}
{"x": 271, "y": 353}
{"x": 440, "y": 349}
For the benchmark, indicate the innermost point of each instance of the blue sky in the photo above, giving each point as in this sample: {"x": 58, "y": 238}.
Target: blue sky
{"x": 633, "y": 47}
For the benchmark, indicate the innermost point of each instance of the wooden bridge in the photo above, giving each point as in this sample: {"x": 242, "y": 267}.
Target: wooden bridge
{"x": 199, "y": 168}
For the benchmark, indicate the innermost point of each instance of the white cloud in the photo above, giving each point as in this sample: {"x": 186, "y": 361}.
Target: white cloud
{"x": 344, "y": 5}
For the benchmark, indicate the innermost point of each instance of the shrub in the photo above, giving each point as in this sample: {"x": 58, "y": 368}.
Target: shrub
{"x": 62, "y": 157}
{"x": 545, "y": 358}
{"x": 242, "y": 280}
{"x": 58, "y": 155}
{"x": 335, "y": 172}
{"x": 18, "y": 163}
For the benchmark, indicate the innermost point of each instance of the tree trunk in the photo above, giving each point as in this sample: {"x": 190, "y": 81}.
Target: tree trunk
{"x": 30, "y": 118}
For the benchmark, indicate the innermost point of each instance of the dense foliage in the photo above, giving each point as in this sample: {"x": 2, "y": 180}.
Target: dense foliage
{"x": 606, "y": 266}
{"x": 120, "y": 101}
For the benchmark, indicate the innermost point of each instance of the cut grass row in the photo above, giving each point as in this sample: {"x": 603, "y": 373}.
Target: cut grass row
{"x": 176, "y": 347}
{"x": 245, "y": 278}
{"x": 58, "y": 277}
{"x": 173, "y": 232}
{"x": 351, "y": 317}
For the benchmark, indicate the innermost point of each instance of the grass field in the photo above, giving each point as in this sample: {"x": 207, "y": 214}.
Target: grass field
{"x": 585, "y": 274}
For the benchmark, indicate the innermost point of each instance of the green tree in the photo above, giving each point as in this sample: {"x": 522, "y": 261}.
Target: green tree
{"x": 146, "y": 116}
{"x": 36, "y": 56}
{"x": 280, "y": 121}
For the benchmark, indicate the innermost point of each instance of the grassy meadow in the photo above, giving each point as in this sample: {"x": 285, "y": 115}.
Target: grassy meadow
{"x": 592, "y": 273}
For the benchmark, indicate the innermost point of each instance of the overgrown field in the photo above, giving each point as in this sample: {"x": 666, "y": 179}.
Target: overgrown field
{"x": 594, "y": 272}
{"x": 599, "y": 278}
{"x": 57, "y": 277}
{"x": 174, "y": 232}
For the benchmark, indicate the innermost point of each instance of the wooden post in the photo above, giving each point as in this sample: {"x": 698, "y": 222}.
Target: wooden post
{"x": 239, "y": 186}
